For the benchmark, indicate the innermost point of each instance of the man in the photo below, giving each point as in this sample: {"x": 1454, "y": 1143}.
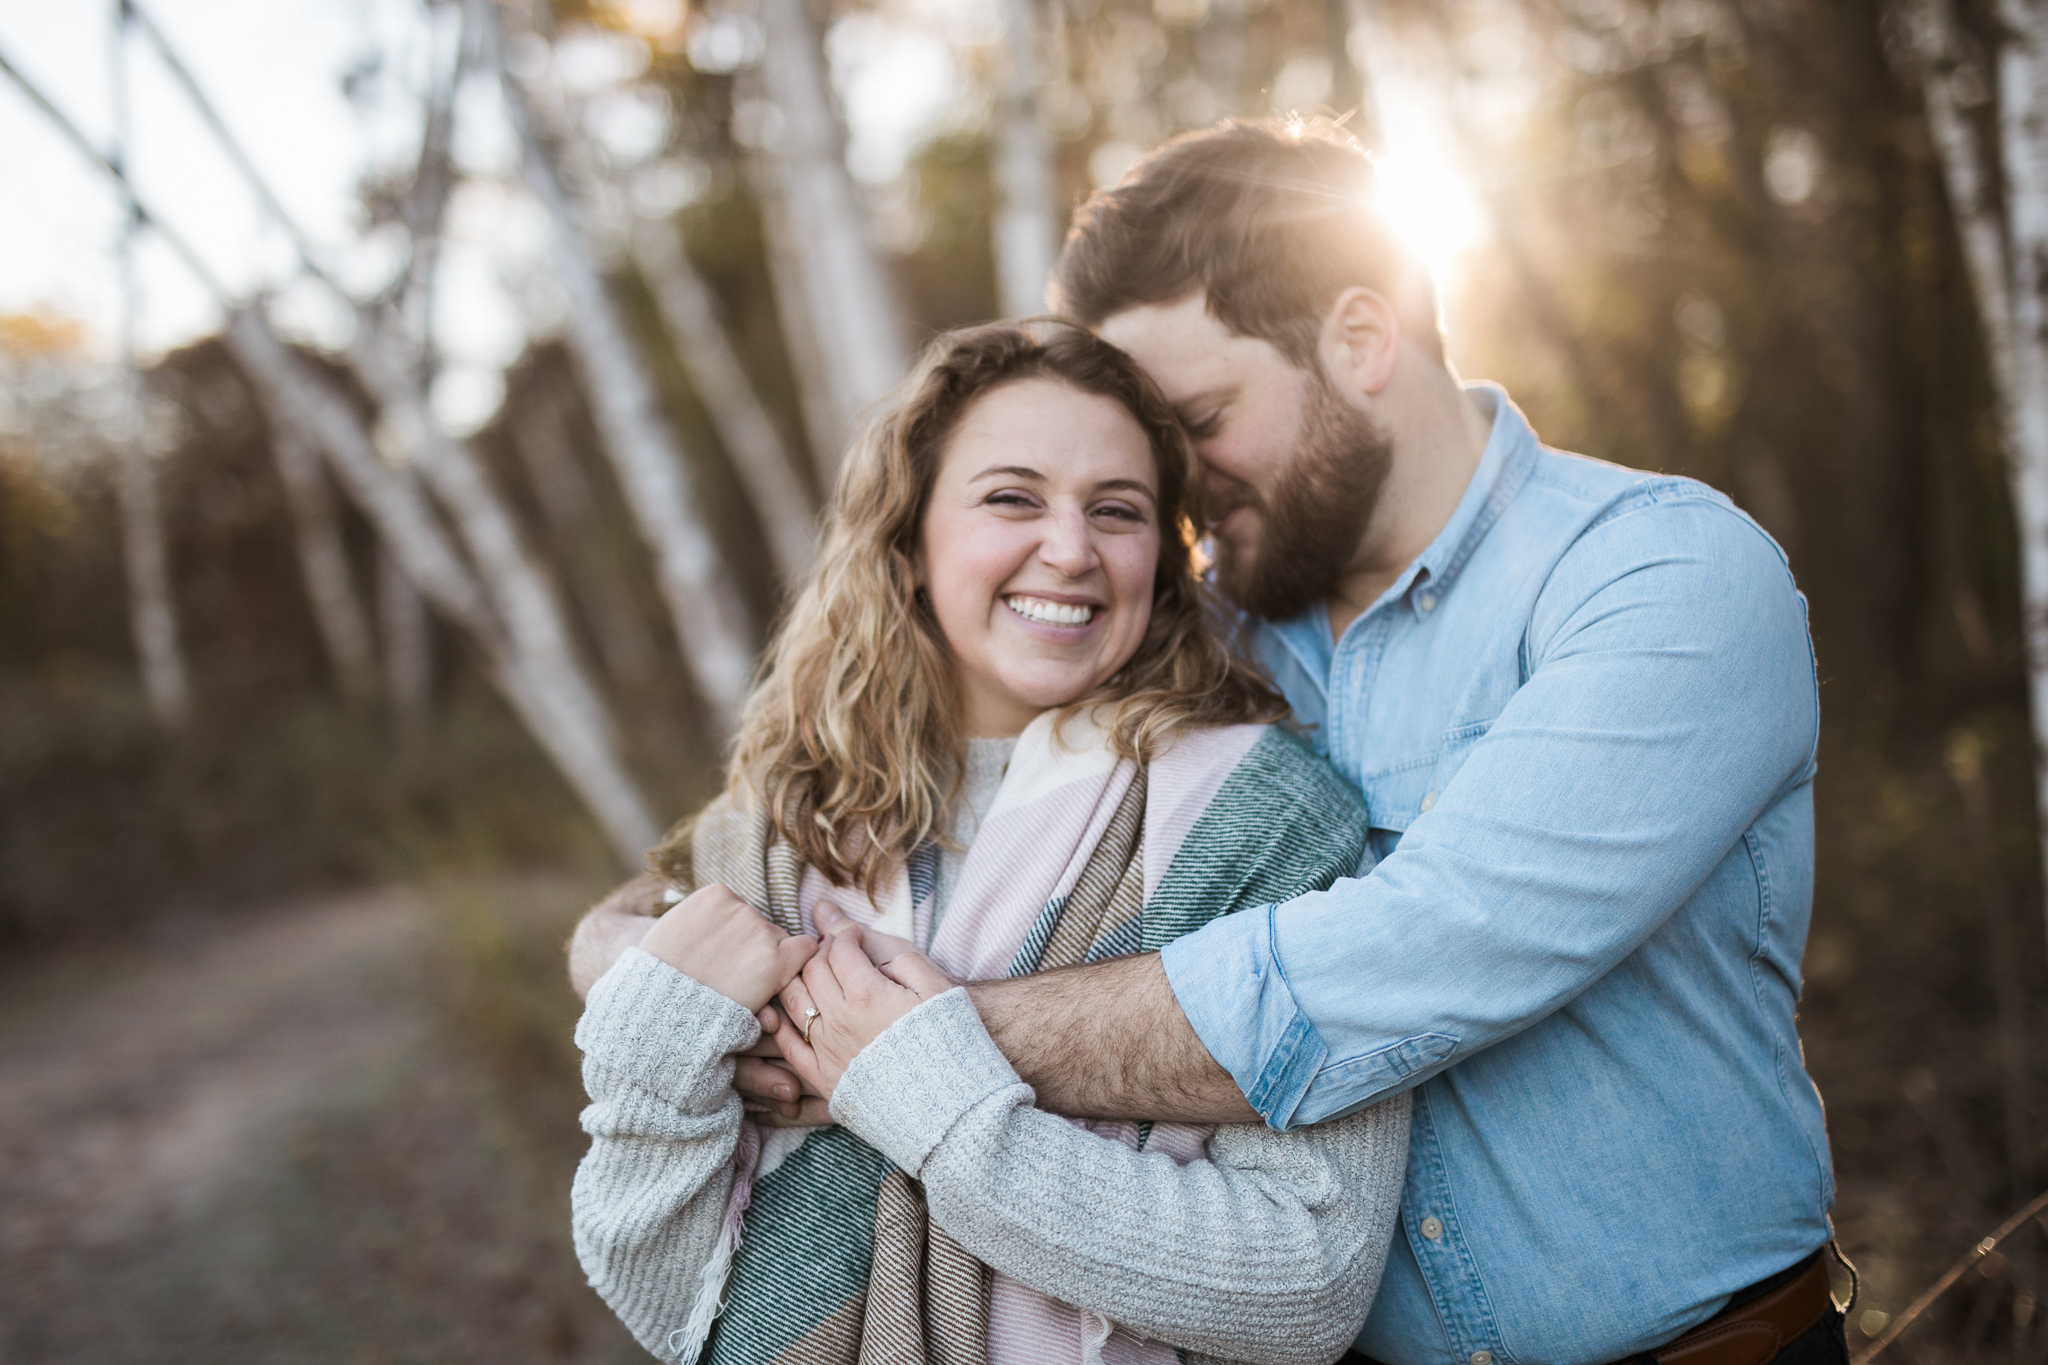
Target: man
{"x": 1581, "y": 704}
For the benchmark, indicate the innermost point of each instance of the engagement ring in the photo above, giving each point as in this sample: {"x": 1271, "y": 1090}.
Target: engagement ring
{"x": 810, "y": 1018}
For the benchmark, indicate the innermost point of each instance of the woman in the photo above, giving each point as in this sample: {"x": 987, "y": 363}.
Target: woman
{"x": 994, "y": 723}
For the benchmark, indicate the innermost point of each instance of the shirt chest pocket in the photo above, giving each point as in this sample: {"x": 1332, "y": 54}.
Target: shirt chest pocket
{"x": 1396, "y": 796}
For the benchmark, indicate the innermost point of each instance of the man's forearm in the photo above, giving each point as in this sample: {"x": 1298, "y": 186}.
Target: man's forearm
{"x": 613, "y": 925}
{"x": 1108, "y": 1040}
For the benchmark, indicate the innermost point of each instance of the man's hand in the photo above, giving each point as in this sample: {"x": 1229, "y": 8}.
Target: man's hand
{"x": 854, "y": 1000}
{"x": 613, "y": 925}
{"x": 717, "y": 939}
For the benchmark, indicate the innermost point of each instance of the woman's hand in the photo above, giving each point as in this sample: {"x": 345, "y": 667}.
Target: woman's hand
{"x": 855, "y": 1001}
{"x": 718, "y": 940}
{"x": 774, "y": 1094}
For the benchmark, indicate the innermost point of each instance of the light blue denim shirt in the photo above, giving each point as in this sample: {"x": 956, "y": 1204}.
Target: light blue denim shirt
{"x": 1584, "y": 722}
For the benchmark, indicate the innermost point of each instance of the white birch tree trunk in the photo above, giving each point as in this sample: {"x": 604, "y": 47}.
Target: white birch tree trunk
{"x": 523, "y": 643}
{"x": 844, "y": 306}
{"x": 570, "y": 509}
{"x": 323, "y": 563}
{"x": 153, "y": 616}
{"x": 767, "y": 468}
{"x": 2005, "y": 248}
{"x": 710, "y": 619}
{"x": 827, "y": 427}
{"x": 528, "y": 657}
{"x": 763, "y": 460}
{"x": 541, "y": 671}
{"x": 1027, "y": 218}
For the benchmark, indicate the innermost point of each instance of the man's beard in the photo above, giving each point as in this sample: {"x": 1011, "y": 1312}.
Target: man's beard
{"x": 1311, "y": 521}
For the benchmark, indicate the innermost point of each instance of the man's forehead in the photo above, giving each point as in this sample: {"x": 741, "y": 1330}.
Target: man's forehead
{"x": 1180, "y": 344}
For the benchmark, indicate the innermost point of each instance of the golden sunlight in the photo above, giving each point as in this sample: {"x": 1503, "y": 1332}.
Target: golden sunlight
{"x": 1422, "y": 192}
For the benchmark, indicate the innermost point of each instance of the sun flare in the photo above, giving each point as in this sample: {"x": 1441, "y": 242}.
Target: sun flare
{"x": 1425, "y": 197}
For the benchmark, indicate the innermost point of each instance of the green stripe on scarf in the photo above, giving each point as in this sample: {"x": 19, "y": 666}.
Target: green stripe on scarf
{"x": 1283, "y": 824}
{"x": 821, "y": 1199}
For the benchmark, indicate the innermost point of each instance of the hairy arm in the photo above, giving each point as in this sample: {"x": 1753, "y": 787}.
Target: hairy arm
{"x": 614, "y": 924}
{"x": 1108, "y": 1040}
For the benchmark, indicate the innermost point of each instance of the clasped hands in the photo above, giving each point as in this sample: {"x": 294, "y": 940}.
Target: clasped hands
{"x": 858, "y": 981}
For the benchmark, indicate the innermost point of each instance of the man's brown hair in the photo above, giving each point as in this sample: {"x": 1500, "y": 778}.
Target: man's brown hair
{"x": 1271, "y": 220}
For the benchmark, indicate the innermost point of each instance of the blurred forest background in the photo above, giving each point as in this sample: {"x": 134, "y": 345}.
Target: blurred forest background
{"x": 337, "y": 676}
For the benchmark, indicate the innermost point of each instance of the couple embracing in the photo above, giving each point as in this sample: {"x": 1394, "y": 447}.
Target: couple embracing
{"x": 1388, "y": 952}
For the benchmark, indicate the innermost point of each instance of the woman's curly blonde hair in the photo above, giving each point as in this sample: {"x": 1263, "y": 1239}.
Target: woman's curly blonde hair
{"x": 852, "y": 736}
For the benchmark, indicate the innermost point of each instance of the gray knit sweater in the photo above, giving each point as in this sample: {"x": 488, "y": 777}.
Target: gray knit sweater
{"x": 1268, "y": 1250}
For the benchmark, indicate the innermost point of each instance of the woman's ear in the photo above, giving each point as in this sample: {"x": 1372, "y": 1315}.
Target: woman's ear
{"x": 1360, "y": 340}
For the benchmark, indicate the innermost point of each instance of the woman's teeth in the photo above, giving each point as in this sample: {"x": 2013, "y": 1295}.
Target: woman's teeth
{"x": 1051, "y": 613}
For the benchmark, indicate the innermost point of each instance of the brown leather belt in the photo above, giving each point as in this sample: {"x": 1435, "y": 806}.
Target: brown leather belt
{"x": 1756, "y": 1331}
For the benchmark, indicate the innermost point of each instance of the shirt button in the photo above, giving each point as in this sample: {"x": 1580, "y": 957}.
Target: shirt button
{"x": 1428, "y": 800}
{"x": 1432, "y": 1229}
{"x": 1481, "y": 1358}
{"x": 1427, "y": 601}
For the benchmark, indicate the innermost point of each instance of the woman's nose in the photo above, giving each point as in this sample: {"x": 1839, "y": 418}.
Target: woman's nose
{"x": 1068, "y": 546}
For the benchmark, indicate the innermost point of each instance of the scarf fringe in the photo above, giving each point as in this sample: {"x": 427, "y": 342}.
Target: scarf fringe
{"x": 687, "y": 1341}
{"x": 1095, "y": 1330}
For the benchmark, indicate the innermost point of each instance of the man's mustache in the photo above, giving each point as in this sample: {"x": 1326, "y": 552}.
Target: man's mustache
{"x": 1220, "y": 499}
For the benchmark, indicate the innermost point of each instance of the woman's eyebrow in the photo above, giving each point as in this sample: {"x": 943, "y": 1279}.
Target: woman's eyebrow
{"x": 1013, "y": 471}
{"x": 1133, "y": 485}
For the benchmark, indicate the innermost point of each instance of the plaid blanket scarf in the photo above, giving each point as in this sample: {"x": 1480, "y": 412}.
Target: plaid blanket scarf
{"x": 828, "y": 1256}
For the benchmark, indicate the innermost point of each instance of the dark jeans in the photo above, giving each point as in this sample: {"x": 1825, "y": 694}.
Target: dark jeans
{"x": 1823, "y": 1344}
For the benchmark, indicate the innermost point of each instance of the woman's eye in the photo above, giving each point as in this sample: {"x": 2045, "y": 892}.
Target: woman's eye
{"x": 1201, "y": 429}
{"x": 1120, "y": 511}
{"x": 1010, "y": 500}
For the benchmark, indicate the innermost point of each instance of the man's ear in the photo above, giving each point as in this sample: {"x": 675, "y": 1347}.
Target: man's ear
{"x": 1360, "y": 340}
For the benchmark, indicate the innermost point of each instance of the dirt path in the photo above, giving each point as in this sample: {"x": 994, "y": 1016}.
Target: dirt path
{"x": 137, "y": 1083}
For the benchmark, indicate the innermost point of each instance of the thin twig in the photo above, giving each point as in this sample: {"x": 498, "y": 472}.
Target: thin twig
{"x": 1955, "y": 1272}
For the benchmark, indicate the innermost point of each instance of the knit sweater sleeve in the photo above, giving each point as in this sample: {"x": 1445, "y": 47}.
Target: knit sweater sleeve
{"x": 1268, "y": 1250}
{"x": 648, "y": 1203}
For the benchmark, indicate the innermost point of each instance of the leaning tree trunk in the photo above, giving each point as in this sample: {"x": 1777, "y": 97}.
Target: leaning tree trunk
{"x": 766, "y": 467}
{"x": 541, "y": 667}
{"x": 561, "y": 711}
{"x": 2005, "y": 247}
{"x": 527, "y": 653}
{"x": 1026, "y": 231}
{"x": 323, "y": 564}
{"x": 569, "y": 508}
{"x": 710, "y": 620}
{"x": 840, "y": 301}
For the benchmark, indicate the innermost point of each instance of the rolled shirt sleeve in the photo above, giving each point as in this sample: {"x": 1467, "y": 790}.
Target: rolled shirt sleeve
{"x": 1667, "y": 699}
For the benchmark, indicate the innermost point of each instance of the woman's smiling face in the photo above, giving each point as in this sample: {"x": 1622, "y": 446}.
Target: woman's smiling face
{"x": 1039, "y": 549}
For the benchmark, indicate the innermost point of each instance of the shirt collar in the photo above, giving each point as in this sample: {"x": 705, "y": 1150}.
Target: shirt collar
{"x": 1504, "y": 466}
